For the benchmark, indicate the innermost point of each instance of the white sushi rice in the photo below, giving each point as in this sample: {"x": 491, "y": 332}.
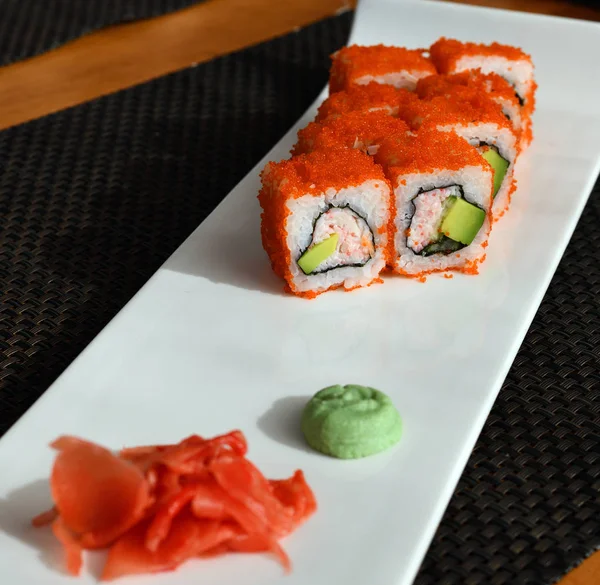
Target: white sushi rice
{"x": 504, "y": 140}
{"x": 511, "y": 110}
{"x": 476, "y": 183}
{"x": 518, "y": 73}
{"x": 401, "y": 79}
{"x": 359, "y": 215}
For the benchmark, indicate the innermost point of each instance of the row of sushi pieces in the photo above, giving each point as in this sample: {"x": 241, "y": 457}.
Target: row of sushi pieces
{"x": 407, "y": 165}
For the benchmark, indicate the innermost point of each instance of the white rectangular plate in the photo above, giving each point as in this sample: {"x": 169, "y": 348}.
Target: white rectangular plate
{"x": 210, "y": 343}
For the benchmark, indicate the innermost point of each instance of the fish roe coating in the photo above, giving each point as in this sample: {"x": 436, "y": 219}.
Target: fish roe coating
{"x": 526, "y": 134}
{"x": 354, "y": 130}
{"x": 451, "y": 109}
{"x": 527, "y": 113}
{"x": 350, "y": 64}
{"x": 364, "y": 98}
{"x": 304, "y": 174}
{"x": 427, "y": 151}
{"x": 444, "y": 53}
{"x": 467, "y": 82}
{"x": 321, "y": 170}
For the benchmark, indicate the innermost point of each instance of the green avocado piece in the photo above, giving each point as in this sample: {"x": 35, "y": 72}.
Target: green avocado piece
{"x": 351, "y": 421}
{"x": 499, "y": 165}
{"x": 462, "y": 221}
{"x": 318, "y": 253}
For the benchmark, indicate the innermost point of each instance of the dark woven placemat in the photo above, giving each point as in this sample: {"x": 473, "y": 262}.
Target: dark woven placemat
{"x": 95, "y": 198}
{"x": 31, "y": 27}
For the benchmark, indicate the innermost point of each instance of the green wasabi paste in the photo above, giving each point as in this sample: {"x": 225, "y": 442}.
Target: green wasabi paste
{"x": 351, "y": 421}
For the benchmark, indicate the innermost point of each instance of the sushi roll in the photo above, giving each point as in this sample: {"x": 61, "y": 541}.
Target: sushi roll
{"x": 443, "y": 196}
{"x": 360, "y": 65}
{"x": 325, "y": 220}
{"x": 466, "y": 84}
{"x": 511, "y": 63}
{"x": 362, "y": 130}
{"x": 365, "y": 98}
{"x": 480, "y": 122}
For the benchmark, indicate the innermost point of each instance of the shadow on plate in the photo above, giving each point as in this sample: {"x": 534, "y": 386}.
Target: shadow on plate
{"x": 235, "y": 258}
{"x": 16, "y": 513}
{"x": 282, "y": 422}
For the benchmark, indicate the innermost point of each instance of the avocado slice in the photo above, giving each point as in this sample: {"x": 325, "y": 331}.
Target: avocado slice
{"x": 318, "y": 253}
{"x": 462, "y": 220}
{"x": 499, "y": 164}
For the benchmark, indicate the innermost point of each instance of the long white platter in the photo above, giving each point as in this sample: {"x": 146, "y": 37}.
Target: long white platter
{"x": 211, "y": 344}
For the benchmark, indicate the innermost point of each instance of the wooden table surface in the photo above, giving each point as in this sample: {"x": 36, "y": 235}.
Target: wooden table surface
{"x": 126, "y": 55}
{"x": 122, "y": 56}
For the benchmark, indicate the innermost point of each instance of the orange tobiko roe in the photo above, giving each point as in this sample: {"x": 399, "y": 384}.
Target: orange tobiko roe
{"x": 444, "y": 53}
{"x": 354, "y": 130}
{"x": 466, "y": 95}
{"x": 465, "y": 109}
{"x": 526, "y": 113}
{"x": 426, "y": 151}
{"x": 466, "y": 83}
{"x": 351, "y": 63}
{"x": 364, "y": 98}
{"x": 308, "y": 174}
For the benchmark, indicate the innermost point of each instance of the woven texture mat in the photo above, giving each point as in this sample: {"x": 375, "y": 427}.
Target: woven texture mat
{"x": 31, "y": 27}
{"x": 95, "y": 198}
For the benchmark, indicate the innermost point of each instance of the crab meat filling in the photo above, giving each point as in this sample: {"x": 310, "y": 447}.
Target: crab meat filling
{"x": 423, "y": 235}
{"x": 355, "y": 245}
